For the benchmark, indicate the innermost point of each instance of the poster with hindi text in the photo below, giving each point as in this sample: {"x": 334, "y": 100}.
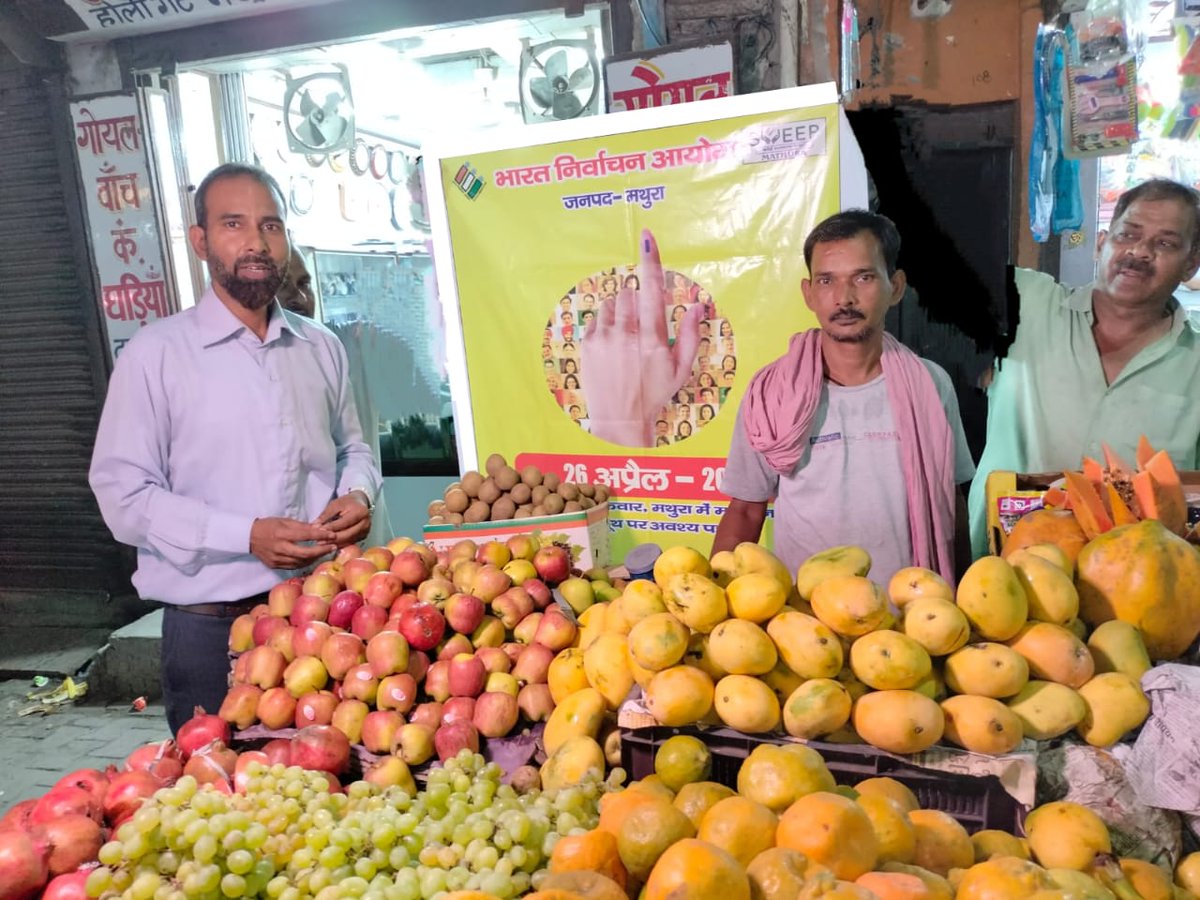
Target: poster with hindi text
{"x": 616, "y": 281}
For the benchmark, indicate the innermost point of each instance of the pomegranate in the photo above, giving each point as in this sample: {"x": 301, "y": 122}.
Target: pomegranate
{"x": 212, "y": 763}
{"x": 93, "y": 781}
{"x": 68, "y": 886}
{"x": 241, "y": 775}
{"x": 322, "y": 748}
{"x": 126, "y": 792}
{"x": 17, "y": 818}
{"x": 73, "y": 840}
{"x": 278, "y": 750}
{"x": 66, "y": 799}
{"x": 201, "y": 729}
{"x": 23, "y": 869}
{"x": 162, "y": 759}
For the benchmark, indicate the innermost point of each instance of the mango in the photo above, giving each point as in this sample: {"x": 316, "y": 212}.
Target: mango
{"x": 1118, "y": 647}
{"x": 936, "y": 624}
{"x": 889, "y": 661}
{"x": 845, "y": 560}
{"x": 658, "y": 641}
{"x": 850, "y": 682}
{"x": 754, "y": 559}
{"x": 681, "y": 695}
{"x": 566, "y": 674}
{"x": 679, "y": 560}
{"x": 783, "y": 681}
{"x": 942, "y": 843}
{"x": 1050, "y": 592}
{"x": 1005, "y": 876}
{"x": 1078, "y": 627}
{"x": 1054, "y": 554}
{"x": 987, "y": 669}
{"x": 933, "y": 685}
{"x": 724, "y": 567}
{"x": 916, "y": 583}
{"x": 698, "y": 655}
{"x": 695, "y": 600}
{"x": 992, "y": 598}
{"x": 1054, "y": 654}
{"x": 641, "y": 598}
{"x": 641, "y": 675}
{"x": 580, "y": 714}
{"x": 615, "y": 621}
{"x": 816, "y": 708}
{"x": 571, "y": 762}
{"x": 755, "y": 597}
{"x": 898, "y": 721}
{"x": 851, "y": 605}
{"x": 746, "y": 704}
{"x": 991, "y": 842}
{"x": 742, "y": 648}
{"x": 1151, "y": 882}
{"x": 981, "y": 724}
{"x": 1187, "y": 872}
{"x": 1047, "y": 710}
{"x": 606, "y": 664}
{"x": 808, "y": 646}
{"x": 1115, "y": 706}
{"x": 936, "y": 887}
{"x": 1065, "y": 835}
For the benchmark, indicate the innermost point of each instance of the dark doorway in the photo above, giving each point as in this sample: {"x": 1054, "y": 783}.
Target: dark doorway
{"x": 945, "y": 177}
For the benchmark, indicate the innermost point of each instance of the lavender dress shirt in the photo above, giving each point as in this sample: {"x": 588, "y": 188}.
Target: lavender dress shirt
{"x": 205, "y": 429}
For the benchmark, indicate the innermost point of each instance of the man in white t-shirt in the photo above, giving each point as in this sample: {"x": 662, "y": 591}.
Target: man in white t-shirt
{"x": 845, "y": 476}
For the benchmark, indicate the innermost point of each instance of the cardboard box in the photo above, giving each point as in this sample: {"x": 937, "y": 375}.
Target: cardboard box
{"x": 586, "y": 531}
{"x": 1011, "y": 495}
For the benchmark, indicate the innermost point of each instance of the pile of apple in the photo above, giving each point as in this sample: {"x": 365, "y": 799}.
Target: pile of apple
{"x": 407, "y": 651}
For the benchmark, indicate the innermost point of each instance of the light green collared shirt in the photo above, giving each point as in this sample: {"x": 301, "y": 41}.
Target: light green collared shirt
{"x": 1049, "y": 404}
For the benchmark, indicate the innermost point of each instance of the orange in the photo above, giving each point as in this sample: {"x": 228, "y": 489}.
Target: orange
{"x": 647, "y": 832}
{"x": 895, "y": 886}
{"x": 694, "y": 870}
{"x": 781, "y": 874}
{"x": 616, "y": 806}
{"x": 776, "y": 776}
{"x": 593, "y": 851}
{"x": 942, "y": 843}
{"x": 591, "y": 885}
{"x": 682, "y": 759}
{"x": 694, "y": 800}
{"x": 897, "y": 838}
{"x": 831, "y": 830}
{"x": 740, "y": 826}
{"x": 889, "y": 787}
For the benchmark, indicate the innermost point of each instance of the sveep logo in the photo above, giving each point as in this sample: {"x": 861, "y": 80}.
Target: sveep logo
{"x": 784, "y": 140}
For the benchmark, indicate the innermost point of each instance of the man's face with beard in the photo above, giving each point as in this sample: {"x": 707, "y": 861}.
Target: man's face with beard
{"x": 850, "y": 291}
{"x": 1147, "y": 253}
{"x": 244, "y": 241}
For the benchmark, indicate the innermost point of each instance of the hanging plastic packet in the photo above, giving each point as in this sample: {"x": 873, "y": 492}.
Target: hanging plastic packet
{"x": 849, "y": 36}
{"x": 1100, "y": 116}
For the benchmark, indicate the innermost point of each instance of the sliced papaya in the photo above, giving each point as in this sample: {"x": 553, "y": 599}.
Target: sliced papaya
{"x": 1055, "y": 498}
{"x": 1113, "y": 462}
{"x": 1160, "y": 494}
{"x": 1121, "y": 513}
{"x": 1144, "y": 451}
{"x": 1094, "y": 473}
{"x": 1089, "y": 510}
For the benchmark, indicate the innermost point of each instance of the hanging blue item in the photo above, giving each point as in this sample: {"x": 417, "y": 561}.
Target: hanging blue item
{"x": 1068, "y": 201}
{"x": 1055, "y": 203}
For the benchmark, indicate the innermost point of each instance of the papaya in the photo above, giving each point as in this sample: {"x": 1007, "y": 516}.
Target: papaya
{"x": 1089, "y": 509}
{"x": 1121, "y": 513}
{"x": 1144, "y": 575}
{"x": 1046, "y": 526}
{"x": 1160, "y": 494}
{"x": 1144, "y": 451}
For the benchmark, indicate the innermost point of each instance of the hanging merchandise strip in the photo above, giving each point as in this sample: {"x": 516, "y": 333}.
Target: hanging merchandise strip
{"x": 360, "y": 157}
{"x": 379, "y": 162}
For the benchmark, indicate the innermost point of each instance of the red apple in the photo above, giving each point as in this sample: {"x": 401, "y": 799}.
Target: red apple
{"x": 414, "y": 743}
{"x": 524, "y": 630}
{"x": 342, "y": 608}
{"x": 240, "y": 706}
{"x": 426, "y": 553}
{"x": 321, "y": 748}
{"x": 522, "y": 546}
{"x": 495, "y": 714}
{"x": 315, "y": 708}
{"x": 381, "y": 589}
{"x": 535, "y": 702}
{"x": 418, "y": 664}
{"x": 368, "y": 621}
{"x": 464, "y": 612}
{"x": 410, "y": 567}
{"x": 281, "y": 640}
{"x": 540, "y": 593}
{"x": 304, "y": 675}
{"x": 381, "y": 556}
{"x": 462, "y": 574}
{"x": 454, "y": 645}
{"x": 387, "y": 653}
{"x": 282, "y": 598}
{"x": 489, "y": 583}
{"x": 357, "y": 574}
{"x": 379, "y": 730}
{"x": 512, "y": 606}
{"x": 390, "y": 771}
{"x": 263, "y": 666}
{"x": 553, "y": 564}
{"x": 399, "y": 544}
{"x": 422, "y": 625}
{"x": 427, "y": 714}
{"x": 463, "y": 549}
{"x": 241, "y": 634}
{"x": 398, "y": 692}
{"x": 520, "y": 571}
{"x": 260, "y": 610}
{"x": 402, "y": 604}
{"x": 449, "y": 739}
{"x": 437, "y": 680}
{"x": 276, "y": 709}
{"x": 494, "y": 659}
{"x": 466, "y": 676}
{"x": 534, "y": 664}
{"x": 324, "y": 584}
{"x": 435, "y": 589}
{"x": 347, "y": 553}
{"x": 309, "y": 608}
{"x": 502, "y": 682}
{"x": 360, "y": 683}
{"x": 458, "y": 709}
{"x": 513, "y": 650}
{"x": 348, "y": 718}
{"x": 555, "y": 630}
{"x": 340, "y": 652}
{"x": 493, "y": 553}
{"x": 490, "y": 633}
{"x": 309, "y": 638}
{"x": 265, "y": 627}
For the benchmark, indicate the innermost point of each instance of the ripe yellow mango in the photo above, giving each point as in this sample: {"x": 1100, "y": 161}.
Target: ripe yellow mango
{"x": 566, "y": 674}
{"x": 641, "y": 598}
{"x": 807, "y": 645}
{"x": 817, "y": 707}
{"x": 981, "y": 724}
{"x": 678, "y": 560}
{"x": 937, "y": 625}
{"x": 580, "y": 714}
{"x": 571, "y": 762}
{"x": 1065, "y": 835}
{"x": 851, "y": 605}
{"x": 992, "y": 598}
{"x": 898, "y": 721}
{"x": 845, "y": 560}
{"x": 1049, "y": 591}
{"x": 1047, "y": 710}
{"x": 889, "y": 661}
{"x": 916, "y": 583}
{"x": 987, "y": 669}
{"x": 1118, "y": 647}
{"x": 606, "y": 664}
{"x": 1054, "y": 654}
{"x": 641, "y": 675}
{"x": 658, "y": 641}
{"x": 1115, "y": 706}
{"x": 680, "y": 695}
{"x": 782, "y": 680}
{"x": 615, "y": 621}
{"x": 742, "y": 648}
{"x": 696, "y": 600}
{"x": 746, "y": 704}
{"x": 750, "y": 558}
{"x": 698, "y": 655}
{"x": 755, "y": 596}
{"x": 1055, "y": 554}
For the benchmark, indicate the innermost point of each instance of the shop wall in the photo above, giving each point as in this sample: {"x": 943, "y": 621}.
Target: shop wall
{"x": 758, "y": 29}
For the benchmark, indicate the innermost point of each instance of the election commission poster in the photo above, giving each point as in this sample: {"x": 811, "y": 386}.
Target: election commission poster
{"x": 616, "y": 281}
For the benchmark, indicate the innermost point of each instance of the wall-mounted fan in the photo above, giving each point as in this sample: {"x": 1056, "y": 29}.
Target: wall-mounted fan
{"x": 559, "y": 79}
{"x": 318, "y": 112}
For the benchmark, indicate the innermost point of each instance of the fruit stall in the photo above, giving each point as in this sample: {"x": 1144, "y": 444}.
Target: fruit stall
{"x": 496, "y": 710}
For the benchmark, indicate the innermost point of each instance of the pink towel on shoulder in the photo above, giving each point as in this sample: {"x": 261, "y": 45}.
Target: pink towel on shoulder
{"x": 778, "y": 412}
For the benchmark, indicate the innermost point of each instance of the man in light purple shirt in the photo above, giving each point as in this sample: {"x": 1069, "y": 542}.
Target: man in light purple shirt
{"x": 229, "y": 451}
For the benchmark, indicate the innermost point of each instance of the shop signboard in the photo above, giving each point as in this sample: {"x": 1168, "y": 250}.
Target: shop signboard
{"x": 679, "y": 73}
{"x": 612, "y": 283}
{"x": 110, "y": 146}
{"x": 115, "y": 18}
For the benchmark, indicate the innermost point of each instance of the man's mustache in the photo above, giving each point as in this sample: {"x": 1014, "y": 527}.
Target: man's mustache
{"x": 846, "y": 315}
{"x": 1137, "y": 265}
{"x": 257, "y": 261}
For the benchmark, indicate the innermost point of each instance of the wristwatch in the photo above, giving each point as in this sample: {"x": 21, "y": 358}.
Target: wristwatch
{"x": 366, "y": 492}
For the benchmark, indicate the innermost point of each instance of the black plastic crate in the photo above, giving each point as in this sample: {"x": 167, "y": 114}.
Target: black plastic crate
{"x": 976, "y": 801}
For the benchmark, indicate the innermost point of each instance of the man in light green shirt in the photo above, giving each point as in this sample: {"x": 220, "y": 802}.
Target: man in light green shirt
{"x": 1106, "y": 362}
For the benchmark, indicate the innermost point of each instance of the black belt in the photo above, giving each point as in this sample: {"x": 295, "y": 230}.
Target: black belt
{"x": 230, "y": 610}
